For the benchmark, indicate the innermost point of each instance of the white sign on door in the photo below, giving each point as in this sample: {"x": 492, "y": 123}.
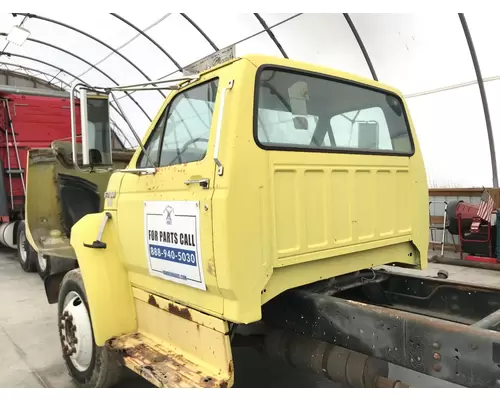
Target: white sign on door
{"x": 172, "y": 238}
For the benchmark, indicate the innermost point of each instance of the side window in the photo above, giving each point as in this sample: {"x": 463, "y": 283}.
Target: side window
{"x": 362, "y": 130}
{"x": 188, "y": 125}
{"x": 153, "y": 144}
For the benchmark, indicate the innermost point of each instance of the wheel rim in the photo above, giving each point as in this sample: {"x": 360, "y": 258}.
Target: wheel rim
{"x": 42, "y": 262}
{"x": 75, "y": 330}
{"x": 23, "y": 252}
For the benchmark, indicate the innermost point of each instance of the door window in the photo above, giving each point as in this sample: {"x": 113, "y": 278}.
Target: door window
{"x": 181, "y": 134}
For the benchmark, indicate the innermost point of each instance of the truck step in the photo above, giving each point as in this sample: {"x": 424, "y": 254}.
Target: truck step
{"x": 160, "y": 365}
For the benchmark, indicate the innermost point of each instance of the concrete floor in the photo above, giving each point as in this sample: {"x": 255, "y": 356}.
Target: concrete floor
{"x": 31, "y": 355}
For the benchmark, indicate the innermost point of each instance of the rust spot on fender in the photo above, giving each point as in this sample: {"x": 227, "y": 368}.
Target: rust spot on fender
{"x": 182, "y": 312}
{"x": 152, "y": 301}
{"x": 231, "y": 367}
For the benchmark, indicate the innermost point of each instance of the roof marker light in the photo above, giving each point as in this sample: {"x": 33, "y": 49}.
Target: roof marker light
{"x": 18, "y": 35}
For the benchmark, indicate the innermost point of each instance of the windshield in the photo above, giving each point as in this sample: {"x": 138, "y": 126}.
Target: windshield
{"x": 296, "y": 110}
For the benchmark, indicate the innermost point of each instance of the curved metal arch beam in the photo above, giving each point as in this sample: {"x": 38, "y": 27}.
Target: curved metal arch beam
{"x": 125, "y": 21}
{"x": 9, "y": 54}
{"x": 62, "y": 91}
{"x": 484, "y": 99}
{"x": 117, "y": 52}
{"x": 195, "y": 26}
{"x": 86, "y": 62}
{"x": 68, "y": 73}
{"x": 34, "y": 70}
{"x": 244, "y": 39}
{"x": 361, "y": 45}
{"x": 271, "y": 35}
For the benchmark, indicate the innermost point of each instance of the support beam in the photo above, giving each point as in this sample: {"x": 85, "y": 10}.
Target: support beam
{"x": 483, "y": 98}
{"x": 450, "y": 87}
{"x": 271, "y": 35}
{"x": 195, "y": 26}
{"x": 117, "y": 52}
{"x": 243, "y": 40}
{"x": 35, "y": 70}
{"x": 361, "y": 45}
{"x": 85, "y": 62}
{"x": 149, "y": 38}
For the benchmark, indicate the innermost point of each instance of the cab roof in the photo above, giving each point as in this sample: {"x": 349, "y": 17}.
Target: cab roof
{"x": 261, "y": 60}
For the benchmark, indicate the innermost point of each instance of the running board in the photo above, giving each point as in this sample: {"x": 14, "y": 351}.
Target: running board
{"x": 161, "y": 366}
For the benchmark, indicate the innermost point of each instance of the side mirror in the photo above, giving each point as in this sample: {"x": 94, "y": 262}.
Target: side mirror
{"x": 96, "y": 129}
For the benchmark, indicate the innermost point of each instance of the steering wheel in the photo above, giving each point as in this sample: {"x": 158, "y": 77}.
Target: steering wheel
{"x": 186, "y": 145}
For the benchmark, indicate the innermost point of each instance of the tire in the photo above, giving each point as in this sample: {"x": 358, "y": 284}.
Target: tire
{"x": 89, "y": 366}
{"x": 25, "y": 253}
{"x": 43, "y": 265}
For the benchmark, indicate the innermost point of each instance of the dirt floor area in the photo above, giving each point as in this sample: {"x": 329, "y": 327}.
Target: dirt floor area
{"x": 31, "y": 355}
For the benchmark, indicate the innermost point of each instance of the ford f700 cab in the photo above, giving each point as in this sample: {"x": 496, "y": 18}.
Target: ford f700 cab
{"x": 255, "y": 211}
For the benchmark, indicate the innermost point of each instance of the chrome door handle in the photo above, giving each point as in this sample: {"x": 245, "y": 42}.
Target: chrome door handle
{"x": 204, "y": 182}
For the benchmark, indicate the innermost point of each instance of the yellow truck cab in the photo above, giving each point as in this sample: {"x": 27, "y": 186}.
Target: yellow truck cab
{"x": 257, "y": 176}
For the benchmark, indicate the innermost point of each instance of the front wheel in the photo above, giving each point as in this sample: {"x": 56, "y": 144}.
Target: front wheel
{"x": 25, "y": 253}
{"x": 88, "y": 365}
{"x": 43, "y": 265}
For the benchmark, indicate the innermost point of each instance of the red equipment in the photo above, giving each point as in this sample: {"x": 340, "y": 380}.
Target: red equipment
{"x": 477, "y": 243}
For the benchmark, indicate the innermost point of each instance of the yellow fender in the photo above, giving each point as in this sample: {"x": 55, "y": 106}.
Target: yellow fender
{"x": 106, "y": 280}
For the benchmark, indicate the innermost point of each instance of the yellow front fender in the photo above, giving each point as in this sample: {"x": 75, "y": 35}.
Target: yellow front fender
{"x": 105, "y": 278}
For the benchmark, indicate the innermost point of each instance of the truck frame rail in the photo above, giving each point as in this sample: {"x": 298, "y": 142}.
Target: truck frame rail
{"x": 444, "y": 329}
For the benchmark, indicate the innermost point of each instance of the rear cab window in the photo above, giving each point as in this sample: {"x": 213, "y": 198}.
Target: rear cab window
{"x": 297, "y": 110}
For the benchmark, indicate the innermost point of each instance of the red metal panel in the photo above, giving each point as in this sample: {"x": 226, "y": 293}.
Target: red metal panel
{"x": 37, "y": 121}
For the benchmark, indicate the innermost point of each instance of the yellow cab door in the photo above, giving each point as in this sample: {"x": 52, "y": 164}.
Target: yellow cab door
{"x": 165, "y": 219}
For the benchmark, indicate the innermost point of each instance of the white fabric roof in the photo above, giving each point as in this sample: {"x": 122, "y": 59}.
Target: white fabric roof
{"x": 413, "y": 52}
